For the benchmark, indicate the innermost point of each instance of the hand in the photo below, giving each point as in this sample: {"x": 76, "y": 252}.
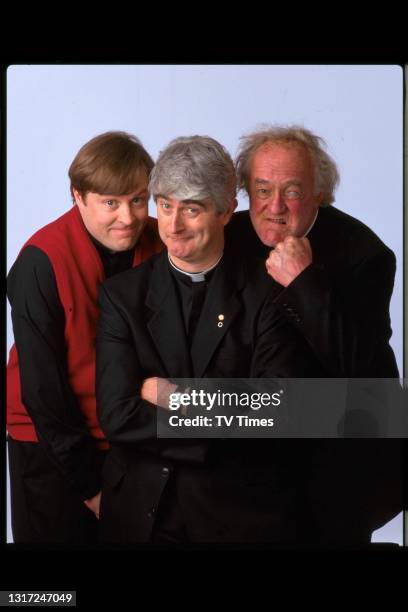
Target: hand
{"x": 149, "y": 389}
{"x": 288, "y": 259}
{"x": 94, "y": 504}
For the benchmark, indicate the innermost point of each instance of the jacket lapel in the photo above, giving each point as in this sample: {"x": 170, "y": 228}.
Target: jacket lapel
{"x": 325, "y": 240}
{"x": 166, "y": 324}
{"x": 221, "y": 299}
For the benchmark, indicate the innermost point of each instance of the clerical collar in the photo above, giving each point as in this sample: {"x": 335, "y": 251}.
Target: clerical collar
{"x": 313, "y": 222}
{"x": 196, "y": 277}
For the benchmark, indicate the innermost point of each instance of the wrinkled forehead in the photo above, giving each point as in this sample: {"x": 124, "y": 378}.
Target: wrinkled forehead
{"x": 283, "y": 159}
{"x": 287, "y": 151}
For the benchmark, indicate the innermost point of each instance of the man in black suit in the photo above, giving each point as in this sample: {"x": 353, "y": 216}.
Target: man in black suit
{"x": 336, "y": 278}
{"x": 336, "y": 274}
{"x": 198, "y": 311}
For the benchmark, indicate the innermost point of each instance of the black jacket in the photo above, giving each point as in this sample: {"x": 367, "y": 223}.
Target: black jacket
{"x": 229, "y": 490}
{"x": 340, "y": 306}
{"x": 287, "y": 491}
{"x": 340, "y": 303}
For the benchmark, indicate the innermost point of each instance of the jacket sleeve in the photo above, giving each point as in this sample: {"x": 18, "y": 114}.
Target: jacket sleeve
{"x": 280, "y": 351}
{"x": 38, "y": 326}
{"x": 344, "y": 316}
{"x": 126, "y": 418}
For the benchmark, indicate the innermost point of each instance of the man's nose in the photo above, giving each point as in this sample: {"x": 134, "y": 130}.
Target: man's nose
{"x": 125, "y": 214}
{"x": 176, "y": 221}
{"x": 276, "y": 203}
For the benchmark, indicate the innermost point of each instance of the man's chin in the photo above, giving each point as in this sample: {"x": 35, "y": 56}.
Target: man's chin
{"x": 271, "y": 237}
{"x": 181, "y": 254}
{"x": 123, "y": 245}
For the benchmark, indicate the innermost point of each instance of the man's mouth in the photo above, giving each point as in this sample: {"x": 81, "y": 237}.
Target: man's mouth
{"x": 123, "y": 229}
{"x": 180, "y": 237}
{"x": 278, "y": 221}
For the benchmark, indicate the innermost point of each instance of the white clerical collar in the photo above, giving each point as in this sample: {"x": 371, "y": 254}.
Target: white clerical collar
{"x": 313, "y": 222}
{"x": 196, "y": 277}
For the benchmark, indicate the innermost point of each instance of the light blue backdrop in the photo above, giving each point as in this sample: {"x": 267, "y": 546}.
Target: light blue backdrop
{"x": 53, "y": 110}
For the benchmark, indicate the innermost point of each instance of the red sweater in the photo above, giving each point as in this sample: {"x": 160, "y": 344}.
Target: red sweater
{"x": 78, "y": 272}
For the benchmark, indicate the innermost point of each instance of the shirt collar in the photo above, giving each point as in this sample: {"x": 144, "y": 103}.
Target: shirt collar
{"x": 312, "y": 224}
{"x": 196, "y": 277}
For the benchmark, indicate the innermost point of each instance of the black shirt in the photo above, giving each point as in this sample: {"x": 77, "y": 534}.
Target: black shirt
{"x": 191, "y": 295}
{"x": 38, "y": 323}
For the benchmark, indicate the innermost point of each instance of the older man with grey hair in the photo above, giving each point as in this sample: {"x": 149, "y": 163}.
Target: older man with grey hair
{"x": 336, "y": 279}
{"x": 195, "y": 311}
{"x": 337, "y": 276}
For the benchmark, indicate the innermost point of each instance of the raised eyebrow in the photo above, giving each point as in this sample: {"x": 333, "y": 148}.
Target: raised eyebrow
{"x": 297, "y": 183}
{"x": 294, "y": 182}
{"x": 116, "y": 197}
{"x": 195, "y": 202}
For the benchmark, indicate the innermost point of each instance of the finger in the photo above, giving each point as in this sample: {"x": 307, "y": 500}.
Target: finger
{"x": 291, "y": 240}
{"x": 268, "y": 264}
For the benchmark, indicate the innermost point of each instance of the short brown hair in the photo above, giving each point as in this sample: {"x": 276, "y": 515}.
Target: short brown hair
{"x": 110, "y": 163}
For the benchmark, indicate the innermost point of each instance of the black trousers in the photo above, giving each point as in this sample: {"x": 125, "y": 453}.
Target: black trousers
{"x": 44, "y": 509}
{"x": 169, "y": 526}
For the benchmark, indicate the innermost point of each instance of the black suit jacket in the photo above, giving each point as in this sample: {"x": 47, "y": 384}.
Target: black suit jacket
{"x": 229, "y": 490}
{"x": 340, "y": 305}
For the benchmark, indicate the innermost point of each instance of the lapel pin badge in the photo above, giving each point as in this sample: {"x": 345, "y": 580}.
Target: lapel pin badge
{"x": 220, "y": 320}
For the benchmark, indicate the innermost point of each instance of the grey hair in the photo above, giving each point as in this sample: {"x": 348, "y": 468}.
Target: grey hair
{"x": 326, "y": 176}
{"x": 195, "y": 167}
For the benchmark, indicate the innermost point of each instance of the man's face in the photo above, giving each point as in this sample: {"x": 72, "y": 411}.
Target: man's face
{"x": 192, "y": 231}
{"x": 282, "y": 196}
{"x": 116, "y": 221}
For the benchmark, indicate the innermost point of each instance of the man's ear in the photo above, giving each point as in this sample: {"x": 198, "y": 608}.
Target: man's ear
{"x": 79, "y": 200}
{"x": 319, "y": 199}
{"x": 228, "y": 213}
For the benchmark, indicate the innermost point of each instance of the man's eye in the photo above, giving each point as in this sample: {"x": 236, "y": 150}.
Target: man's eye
{"x": 137, "y": 201}
{"x": 292, "y": 194}
{"x": 192, "y": 211}
{"x": 262, "y": 193}
{"x": 110, "y": 203}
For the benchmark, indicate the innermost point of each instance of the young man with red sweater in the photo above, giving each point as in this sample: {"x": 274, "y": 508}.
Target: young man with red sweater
{"x": 56, "y": 448}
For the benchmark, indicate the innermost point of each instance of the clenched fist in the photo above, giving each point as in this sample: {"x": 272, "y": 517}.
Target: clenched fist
{"x": 288, "y": 259}
{"x": 157, "y": 391}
